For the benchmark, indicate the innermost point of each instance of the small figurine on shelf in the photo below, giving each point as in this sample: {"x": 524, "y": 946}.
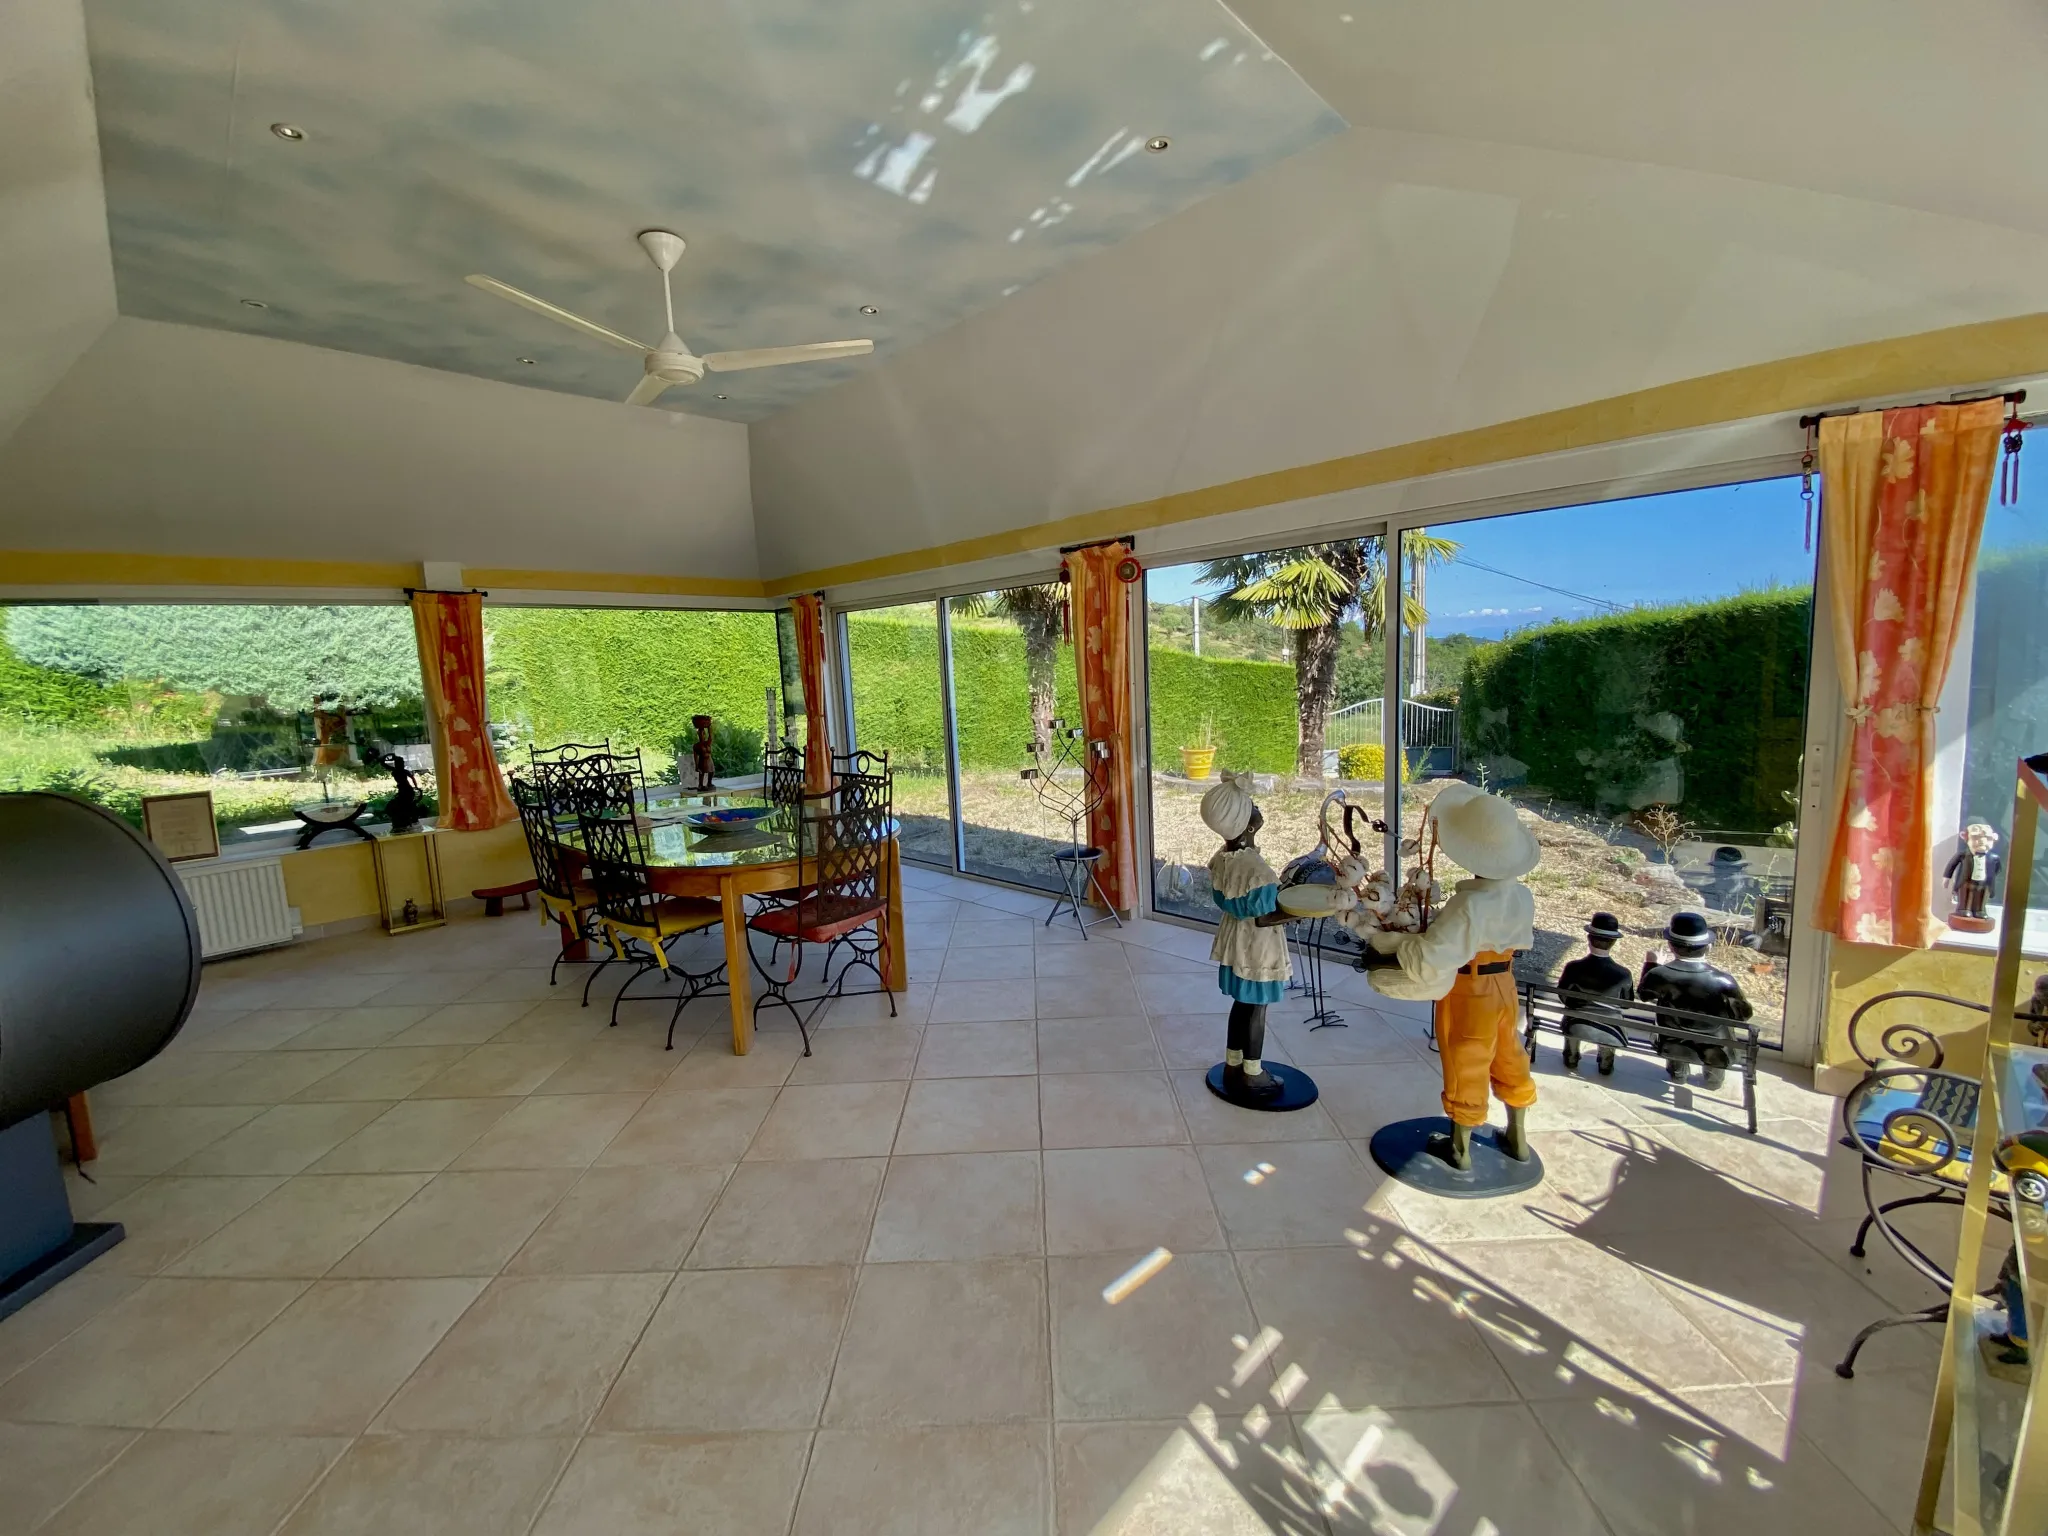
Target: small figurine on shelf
{"x": 1250, "y": 951}
{"x": 1687, "y": 981}
{"x": 1591, "y": 985}
{"x": 402, "y": 810}
{"x": 409, "y": 914}
{"x": 1971, "y": 874}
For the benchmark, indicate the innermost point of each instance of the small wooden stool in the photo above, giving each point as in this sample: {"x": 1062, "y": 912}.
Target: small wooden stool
{"x": 493, "y": 896}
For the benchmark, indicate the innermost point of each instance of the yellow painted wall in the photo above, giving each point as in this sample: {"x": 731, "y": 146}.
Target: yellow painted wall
{"x": 335, "y": 882}
{"x": 1858, "y": 972}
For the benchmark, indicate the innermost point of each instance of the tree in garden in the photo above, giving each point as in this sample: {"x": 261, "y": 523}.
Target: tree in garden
{"x": 1310, "y": 591}
{"x": 1036, "y": 611}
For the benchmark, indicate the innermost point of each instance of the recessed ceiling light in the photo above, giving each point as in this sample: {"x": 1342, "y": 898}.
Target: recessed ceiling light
{"x": 869, "y": 309}
{"x": 721, "y": 397}
{"x": 255, "y": 304}
{"x": 527, "y": 360}
{"x": 289, "y": 131}
{"x": 1159, "y": 145}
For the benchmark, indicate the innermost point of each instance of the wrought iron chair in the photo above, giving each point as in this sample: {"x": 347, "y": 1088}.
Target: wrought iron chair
{"x": 563, "y": 900}
{"x": 862, "y": 761}
{"x": 1917, "y": 1123}
{"x": 841, "y": 900}
{"x": 639, "y": 921}
{"x": 783, "y": 777}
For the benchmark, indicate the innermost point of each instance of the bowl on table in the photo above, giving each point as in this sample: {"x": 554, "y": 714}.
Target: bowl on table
{"x": 730, "y": 818}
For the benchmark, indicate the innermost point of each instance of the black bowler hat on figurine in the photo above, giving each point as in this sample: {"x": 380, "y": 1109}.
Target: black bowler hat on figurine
{"x": 1603, "y": 925}
{"x": 1688, "y": 930}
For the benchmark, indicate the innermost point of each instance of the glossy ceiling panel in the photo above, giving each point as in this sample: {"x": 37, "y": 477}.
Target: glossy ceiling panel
{"x": 928, "y": 158}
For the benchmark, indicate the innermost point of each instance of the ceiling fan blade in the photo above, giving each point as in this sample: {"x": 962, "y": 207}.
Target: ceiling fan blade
{"x": 648, "y": 390}
{"x": 558, "y": 315}
{"x": 775, "y": 357}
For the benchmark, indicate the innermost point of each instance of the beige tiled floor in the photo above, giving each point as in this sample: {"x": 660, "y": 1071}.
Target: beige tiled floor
{"x": 418, "y": 1244}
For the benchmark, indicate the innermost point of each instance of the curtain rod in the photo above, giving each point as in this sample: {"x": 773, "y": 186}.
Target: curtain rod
{"x": 445, "y": 591}
{"x": 2010, "y": 397}
{"x": 1129, "y": 541}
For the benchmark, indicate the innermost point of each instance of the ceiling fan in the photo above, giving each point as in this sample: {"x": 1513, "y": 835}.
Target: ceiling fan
{"x": 671, "y": 362}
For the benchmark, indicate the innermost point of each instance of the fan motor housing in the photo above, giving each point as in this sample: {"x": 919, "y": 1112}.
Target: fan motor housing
{"x": 675, "y": 367}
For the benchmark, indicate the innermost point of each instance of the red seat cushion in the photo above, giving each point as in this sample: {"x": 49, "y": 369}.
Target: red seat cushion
{"x": 809, "y": 922}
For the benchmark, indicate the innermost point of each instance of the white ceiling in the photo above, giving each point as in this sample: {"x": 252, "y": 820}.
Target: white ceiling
{"x": 926, "y": 157}
{"x": 1535, "y": 206}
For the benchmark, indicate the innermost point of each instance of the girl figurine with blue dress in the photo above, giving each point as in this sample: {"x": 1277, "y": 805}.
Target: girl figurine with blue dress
{"x": 1250, "y": 951}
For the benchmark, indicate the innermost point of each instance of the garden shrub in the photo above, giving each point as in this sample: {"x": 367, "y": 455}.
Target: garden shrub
{"x": 46, "y": 696}
{"x": 1367, "y": 760}
{"x": 1701, "y": 705}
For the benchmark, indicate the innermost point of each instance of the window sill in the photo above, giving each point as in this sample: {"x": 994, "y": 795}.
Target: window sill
{"x": 2033, "y": 943}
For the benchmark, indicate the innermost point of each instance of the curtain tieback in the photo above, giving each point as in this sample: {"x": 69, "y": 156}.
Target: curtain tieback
{"x": 1863, "y": 714}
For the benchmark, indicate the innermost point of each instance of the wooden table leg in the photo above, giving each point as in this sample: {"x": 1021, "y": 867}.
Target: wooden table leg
{"x": 85, "y": 1146}
{"x": 899, "y": 963}
{"x": 574, "y": 945}
{"x": 737, "y": 966}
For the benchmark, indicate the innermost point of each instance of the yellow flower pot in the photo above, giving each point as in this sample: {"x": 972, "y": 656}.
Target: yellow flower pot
{"x": 1196, "y": 762}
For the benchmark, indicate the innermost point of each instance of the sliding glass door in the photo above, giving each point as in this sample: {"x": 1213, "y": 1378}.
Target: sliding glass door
{"x": 896, "y": 694}
{"x": 1633, "y": 674}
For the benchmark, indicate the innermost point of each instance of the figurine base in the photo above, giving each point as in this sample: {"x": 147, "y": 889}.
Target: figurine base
{"x": 1297, "y": 1089}
{"x": 1964, "y": 924}
{"x": 1413, "y": 1151}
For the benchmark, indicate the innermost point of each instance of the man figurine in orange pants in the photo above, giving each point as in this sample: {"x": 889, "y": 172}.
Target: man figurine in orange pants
{"x": 1464, "y": 962}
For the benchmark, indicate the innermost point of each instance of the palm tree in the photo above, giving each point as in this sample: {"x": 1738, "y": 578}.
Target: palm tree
{"x": 1037, "y": 611}
{"x": 1310, "y": 591}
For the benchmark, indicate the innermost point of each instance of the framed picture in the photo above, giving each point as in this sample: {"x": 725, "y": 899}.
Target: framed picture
{"x": 181, "y": 826}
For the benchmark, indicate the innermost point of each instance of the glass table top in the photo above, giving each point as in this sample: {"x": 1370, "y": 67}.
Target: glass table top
{"x": 673, "y": 844}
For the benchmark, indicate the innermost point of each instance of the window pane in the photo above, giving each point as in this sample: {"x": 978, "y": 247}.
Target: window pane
{"x": 633, "y": 677}
{"x": 892, "y": 659}
{"x": 1013, "y": 677}
{"x": 1270, "y": 661}
{"x": 264, "y": 705}
{"x": 1633, "y": 674}
{"x": 2007, "y": 667}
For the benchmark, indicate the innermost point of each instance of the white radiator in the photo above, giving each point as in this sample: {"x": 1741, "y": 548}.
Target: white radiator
{"x": 241, "y": 904}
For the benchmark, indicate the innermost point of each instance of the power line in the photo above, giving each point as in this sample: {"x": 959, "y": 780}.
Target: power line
{"x": 1581, "y": 597}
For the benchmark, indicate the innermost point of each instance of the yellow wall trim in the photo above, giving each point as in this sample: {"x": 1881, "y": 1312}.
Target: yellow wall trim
{"x": 489, "y": 577}
{"x": 1957, "y": 357}
{"x": 75, "y": 568}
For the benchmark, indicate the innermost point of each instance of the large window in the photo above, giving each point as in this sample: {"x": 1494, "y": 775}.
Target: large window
{"x": 263, "y": 705}
{"x": 2005, "y": 670}
{"x": 634, "y": 677}
{"x": 894, "y": 666}
{"x": 1273, "y": 662}
{"x": 1633, "y": 674}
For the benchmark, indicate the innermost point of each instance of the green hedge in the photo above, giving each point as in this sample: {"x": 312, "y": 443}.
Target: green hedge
{"x": 1586, "y": 708}
{"x": 44, "y": 696}
{"x": 635, "y": 676}
{"x": 895, "y": 665}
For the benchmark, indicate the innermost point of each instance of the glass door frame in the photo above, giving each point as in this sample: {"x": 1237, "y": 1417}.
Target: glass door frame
{"x": 941, "y": 600}
{"x": 1809, "y": 961}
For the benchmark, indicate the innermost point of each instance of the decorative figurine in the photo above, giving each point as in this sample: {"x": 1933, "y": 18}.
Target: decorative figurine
{"x": 700, "y": 751}
{"x": 1590, "y": 986}
{"x": 1970, "y": 875}
{"x": 1462, "y": 963}
{"x": 403, "y": 808}
{"x": 1687, "y": 981}
{"x": 1250, "y": 951}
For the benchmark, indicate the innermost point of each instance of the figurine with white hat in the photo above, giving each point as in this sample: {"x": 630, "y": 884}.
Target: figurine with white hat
{"x": 1252, "y": 966}
{"x": 1463, "y": 964}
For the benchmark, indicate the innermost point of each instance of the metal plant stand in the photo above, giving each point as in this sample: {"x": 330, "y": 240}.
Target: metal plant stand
{"x": 1067, "y": 779}
{"x": 1307, "y": 937}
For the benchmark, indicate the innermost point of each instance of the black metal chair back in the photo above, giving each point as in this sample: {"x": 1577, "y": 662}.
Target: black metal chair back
{"x": 842, "y": 852}
{"x": 617, "y": 863}
{"x": 862, "y": 761}
{"x": 538, "y": 823}
{"x": 575, "y": 778}
{"x": 785, "y": 777}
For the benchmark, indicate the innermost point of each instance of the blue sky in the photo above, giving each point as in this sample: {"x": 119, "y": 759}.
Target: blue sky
{"x": 1686, "y": 545}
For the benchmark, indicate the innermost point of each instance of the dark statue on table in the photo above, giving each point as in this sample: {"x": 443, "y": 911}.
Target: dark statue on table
{"x": 403, "y": 809}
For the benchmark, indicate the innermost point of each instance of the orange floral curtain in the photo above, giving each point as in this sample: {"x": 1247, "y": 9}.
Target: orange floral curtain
{"x": 1904, "y": 498}
{"x": 1102, "y": 656}
{"x": 808, "y": 612}
{"x": 468, "y": 786}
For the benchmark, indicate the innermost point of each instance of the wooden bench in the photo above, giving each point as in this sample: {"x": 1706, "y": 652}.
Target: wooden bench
{"x": 494, "y": 896}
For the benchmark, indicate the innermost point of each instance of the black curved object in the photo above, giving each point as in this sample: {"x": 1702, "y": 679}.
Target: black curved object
{"x": 99, "y": 965}
{"x": 99, "y": 951}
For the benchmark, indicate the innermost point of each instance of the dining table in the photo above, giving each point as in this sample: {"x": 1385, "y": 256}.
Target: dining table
{"x": 729, "y": 866}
